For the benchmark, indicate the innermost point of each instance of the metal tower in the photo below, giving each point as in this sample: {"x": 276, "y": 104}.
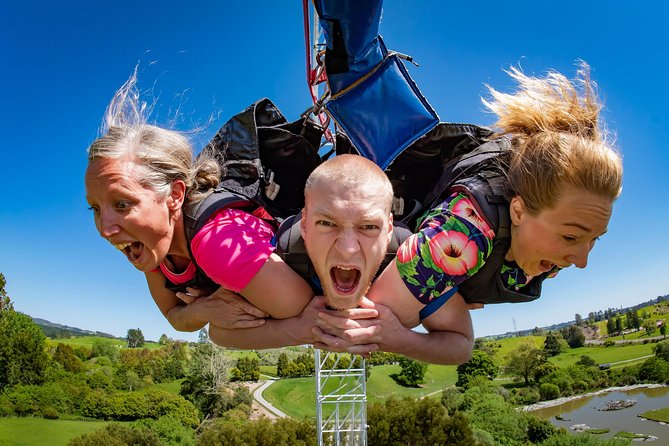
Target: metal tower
{"x": 341, "y": 400}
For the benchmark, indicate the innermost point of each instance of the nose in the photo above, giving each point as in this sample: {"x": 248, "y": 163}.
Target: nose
{"x": 347, "y": 243}
{"x": 579, "y": 257}
{"x": 107, "y": 223}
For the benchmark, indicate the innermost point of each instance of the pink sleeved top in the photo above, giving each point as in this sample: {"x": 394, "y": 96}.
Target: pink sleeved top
{"x": 230, "y": 248}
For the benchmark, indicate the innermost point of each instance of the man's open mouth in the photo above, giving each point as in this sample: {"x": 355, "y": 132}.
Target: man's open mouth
{"x": 345, "y": 279}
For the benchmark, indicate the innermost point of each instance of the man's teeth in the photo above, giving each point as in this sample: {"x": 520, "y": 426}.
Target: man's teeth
{"x": 122, "y": 246}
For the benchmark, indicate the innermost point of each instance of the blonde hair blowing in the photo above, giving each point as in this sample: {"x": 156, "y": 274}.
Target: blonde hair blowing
{"x": 351, "y": 172}
{"x": 556, "y": 137}
{"x": 161, "y": 155}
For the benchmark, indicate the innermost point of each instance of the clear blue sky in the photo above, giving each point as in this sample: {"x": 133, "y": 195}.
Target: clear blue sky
{"x": 62, "y": 62}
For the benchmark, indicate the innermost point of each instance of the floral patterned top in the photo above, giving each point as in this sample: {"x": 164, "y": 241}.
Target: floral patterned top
{"x": 452, "y": 244}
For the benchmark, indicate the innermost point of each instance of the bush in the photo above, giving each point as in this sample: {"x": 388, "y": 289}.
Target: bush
{"x": 539, "y": 430}
{"x": 549, "y": 391}
{"x": 117, "y": 435}
{"x": 50, "y": 413}
{"x": 170, "y": 431}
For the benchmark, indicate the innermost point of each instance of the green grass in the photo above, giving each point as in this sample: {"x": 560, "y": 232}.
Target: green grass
{"x": 296, "y": 397}
{"x": 509, "y": 344}
{"x": 657, "y": 415}
{"x": 87, "y": 341}
{"x": 268, "y": 370}
{"x": 604, "y": 355}
{"x": 31, "y": 431}
{"x": 171, "y": 387}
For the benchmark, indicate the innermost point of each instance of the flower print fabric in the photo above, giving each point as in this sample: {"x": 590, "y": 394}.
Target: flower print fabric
{"x": 451, "y": 245}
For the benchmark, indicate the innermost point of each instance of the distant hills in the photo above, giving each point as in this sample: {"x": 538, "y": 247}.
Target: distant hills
{"x": 54, "y": 330}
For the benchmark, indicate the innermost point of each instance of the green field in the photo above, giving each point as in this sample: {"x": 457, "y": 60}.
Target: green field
{"x": 87, "y": 341}
{"x": 296, "y": 397}
{"x": 38, "y": 431}
{"x": 605, "y": 355}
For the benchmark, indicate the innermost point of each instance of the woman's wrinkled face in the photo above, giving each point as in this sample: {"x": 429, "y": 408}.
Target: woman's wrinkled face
{"x": 562, "y": 235}
{"x": 131, "y": 216}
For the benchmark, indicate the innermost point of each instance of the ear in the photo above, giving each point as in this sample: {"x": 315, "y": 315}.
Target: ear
{"x": 517, "y": 209}
{"x": 390, "y": 227}
{"x": 303, "y": 222}
{"x": 177, "y": 195}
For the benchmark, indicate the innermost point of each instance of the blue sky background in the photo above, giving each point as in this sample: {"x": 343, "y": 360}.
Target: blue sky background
{"x": 62, "y": 61}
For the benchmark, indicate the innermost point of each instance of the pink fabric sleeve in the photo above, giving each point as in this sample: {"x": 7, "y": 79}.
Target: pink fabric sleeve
{"x": 232, "y": 247}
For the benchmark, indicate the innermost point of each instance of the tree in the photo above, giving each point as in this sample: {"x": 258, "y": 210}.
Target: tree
{"x": 663, "y": 330}
{"x": 135, "y": 338}
{"x": 661, "y": 350}
{"x": 574, "y": 336}
{"x": 23, "y": 359}
{"x": 578, "y": 319}
{"x": 203, "y": 336}
{"x": 649, "y": 326}
{"x": 481, "y": 364}
{"x": 282, "y": 365}
{"x": 163, "y": 339}
{"x": 412, "y": 373}
{"x": 610, "y": 326}
{"x": 555, "y": 344}
{"x": 522, "y": 361}
{"x": 65, "y": 355}
{"x": 247, "y": 369}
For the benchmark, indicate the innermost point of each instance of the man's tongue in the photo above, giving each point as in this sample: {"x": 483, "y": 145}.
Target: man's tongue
{"x": 134, "y": 251}
{"x": 345, "y": 279}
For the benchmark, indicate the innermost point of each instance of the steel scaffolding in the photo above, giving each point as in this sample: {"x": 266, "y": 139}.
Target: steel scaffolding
{"x": 341, "y": 400}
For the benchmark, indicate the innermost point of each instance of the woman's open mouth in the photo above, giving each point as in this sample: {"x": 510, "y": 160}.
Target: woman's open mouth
{"x": 131, "y": 250}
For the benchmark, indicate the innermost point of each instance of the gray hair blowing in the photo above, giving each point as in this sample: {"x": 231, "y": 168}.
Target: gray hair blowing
{"x": 161, "y": 155}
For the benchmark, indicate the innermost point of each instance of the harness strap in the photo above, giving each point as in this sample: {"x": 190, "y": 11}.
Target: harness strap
{"x": 436, "y": 303}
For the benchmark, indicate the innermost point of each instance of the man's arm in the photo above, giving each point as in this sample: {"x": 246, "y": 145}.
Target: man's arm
{"x": 273, "y": 333}
{"x": 450, "y": 335}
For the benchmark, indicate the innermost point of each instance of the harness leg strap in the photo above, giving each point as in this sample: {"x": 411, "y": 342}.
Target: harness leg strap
{"x": 436, "y": 303}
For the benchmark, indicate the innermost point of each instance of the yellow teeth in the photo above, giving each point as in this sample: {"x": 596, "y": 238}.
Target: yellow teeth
{"x": 122, "y": 246}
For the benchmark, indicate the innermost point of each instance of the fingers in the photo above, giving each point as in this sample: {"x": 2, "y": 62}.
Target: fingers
{"x": 197, "y": 292}
{"x": 341, "y": 322}
{"x": 251, "y": 323}
{"x": 186, "y": 298}
{"x": 336, "y": 344}
{"x": 248, "y": 308}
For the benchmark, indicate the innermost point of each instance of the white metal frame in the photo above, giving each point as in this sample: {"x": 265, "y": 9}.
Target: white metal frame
{"x": 341, "y": 402}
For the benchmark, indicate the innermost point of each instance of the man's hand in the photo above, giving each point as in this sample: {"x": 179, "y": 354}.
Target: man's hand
{"x": 362, "y": 330}
{"x": 225, "y": 308}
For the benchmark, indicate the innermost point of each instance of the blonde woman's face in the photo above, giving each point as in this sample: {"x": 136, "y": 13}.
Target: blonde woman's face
{"x": 560, "y": 236}
{"x": 131, "y": 216}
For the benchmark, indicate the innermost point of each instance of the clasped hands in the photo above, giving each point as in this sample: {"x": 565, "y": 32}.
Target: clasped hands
{"x": 360, "y": 330}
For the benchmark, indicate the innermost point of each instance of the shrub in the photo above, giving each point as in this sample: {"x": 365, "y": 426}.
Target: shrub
{"x": 539, "y": 430}
{"x": 117, "y": 435}
{"x": 549, "y": 391}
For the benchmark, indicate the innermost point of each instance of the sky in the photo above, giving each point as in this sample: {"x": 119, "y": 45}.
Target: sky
{"x": 203, "y": 61}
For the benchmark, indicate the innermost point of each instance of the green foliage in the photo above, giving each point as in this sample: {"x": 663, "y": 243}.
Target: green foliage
{"x": 170, "y": 431}
{"x": 574, "y": 336}
{"x": 135, "y": 338}
{"x": 522, "y": 361}
{"x": 66, "y": 356}
{"x": 489, "y": 412}
{"x": 481, "y": 364}
{"x": 118, "y": 435}
{"x": 654, "y": 370}
{"x": 23, "y": 359}
{"x": 555, "y": 344}
{"x": 549, "y": 391}
{"x": 247, "y": 369}
{"x": 104, "y": 348}
{"x": 539, "y": 430}
{"x": 661, "y": 350}
{"x": 283, "y": 432}
{"x": 382, "y": 358}
{"x": 422, "y": 422}
{"x": 412, "y": 373}
{"x": 565, "y": 439}
{"x": 586, "y": 361}
{"x": 302, "y": 365}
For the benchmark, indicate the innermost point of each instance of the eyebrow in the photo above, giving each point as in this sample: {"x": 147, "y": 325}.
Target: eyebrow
{"x": 584, "y": 228}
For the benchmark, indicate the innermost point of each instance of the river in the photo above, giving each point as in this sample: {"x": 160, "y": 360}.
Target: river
{"x": 583, "y": 411}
